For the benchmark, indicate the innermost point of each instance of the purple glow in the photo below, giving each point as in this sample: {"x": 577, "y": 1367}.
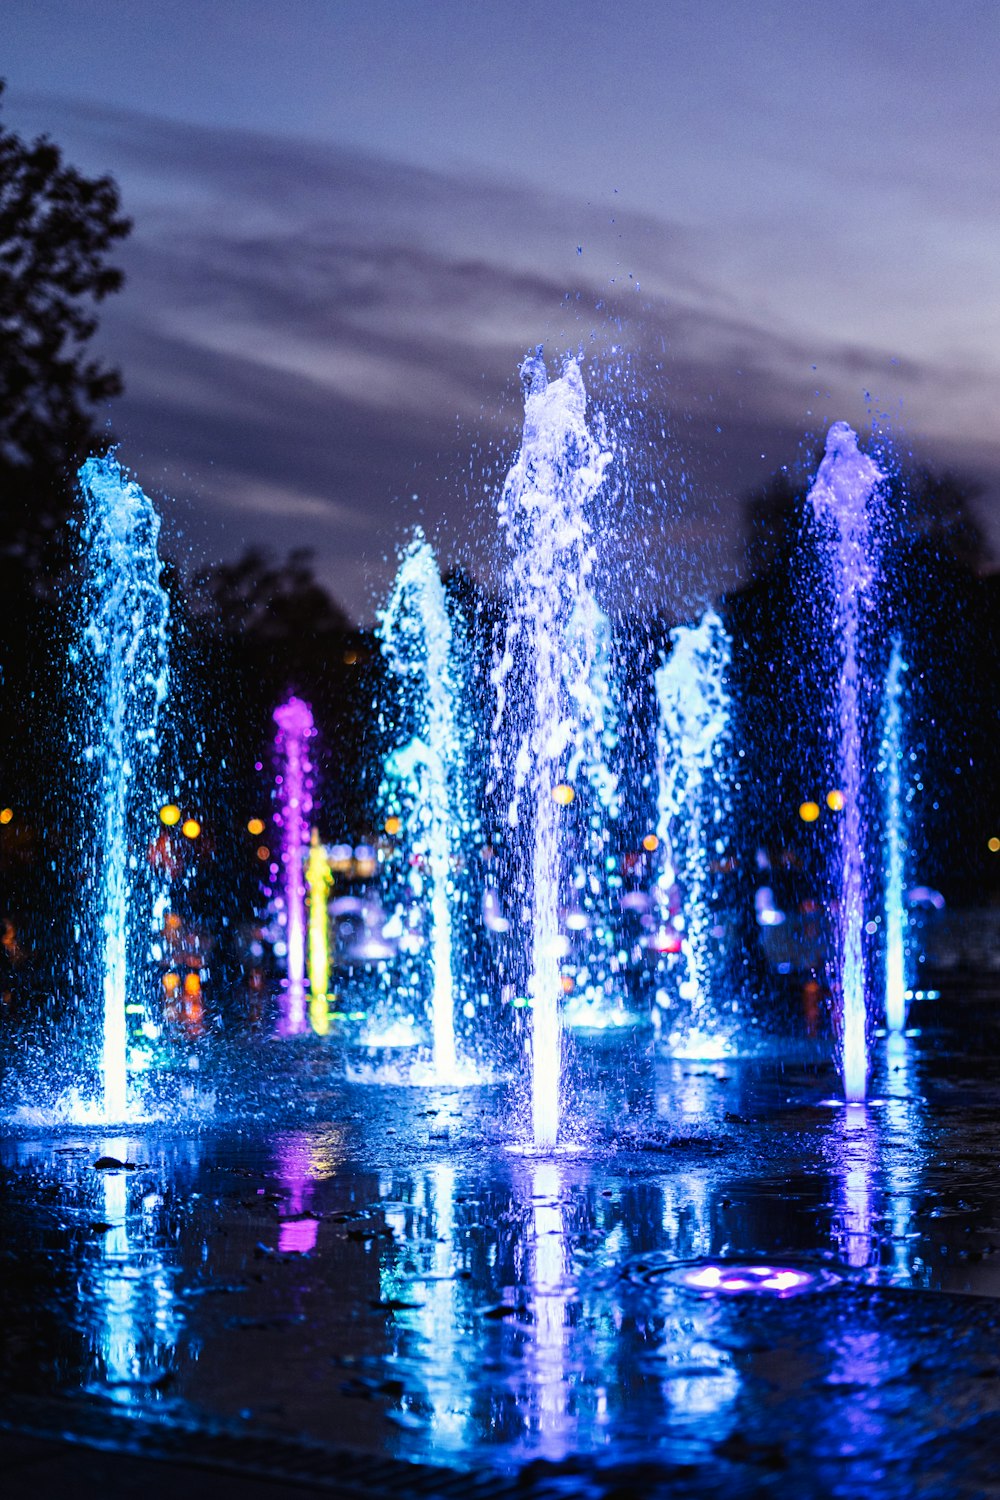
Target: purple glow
{"x": 843, "y": 498}
{"x": 723, "y": 1279}
{"x": 293, "y": 788}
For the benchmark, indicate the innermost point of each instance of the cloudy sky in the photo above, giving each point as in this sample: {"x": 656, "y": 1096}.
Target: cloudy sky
{"x": 353, "y": 217}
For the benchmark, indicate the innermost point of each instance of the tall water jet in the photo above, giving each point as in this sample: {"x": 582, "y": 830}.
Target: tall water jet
{"x": 539, "y": 678}
{"x": 293, "y": 796}
{"x": 426, "y": 776}
{"x": 319, "y": 878}
{"x": 122, "y": 661}
{"x": 693, "y": 778}
{"x": 592, "y": 912}
{"x": 891, "y": 761}
{"x": 843, "y": 498}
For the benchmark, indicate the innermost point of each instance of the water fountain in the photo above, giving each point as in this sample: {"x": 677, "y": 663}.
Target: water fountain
{"x": 594, "y": 1310}
{"x": 844, "y": 499}
{"x": 319, "y": 879}
{"x": 120, "y": 663}
{"x": 540, "y": 680}
{"x": 426, "y": 784}
{"x": 693, "y": 778}
{"x": 890, "y": 766}
{"x": 598, "y": 998}
{"x": 293, "y": 796}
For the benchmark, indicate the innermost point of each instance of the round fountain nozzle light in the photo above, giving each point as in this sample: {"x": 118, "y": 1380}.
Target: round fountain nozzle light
{"x": 740, "y": 1279}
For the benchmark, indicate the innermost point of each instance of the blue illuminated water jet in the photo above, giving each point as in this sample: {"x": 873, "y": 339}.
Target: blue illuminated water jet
{"x": 693, "y": 776}
{"x": 121, "y": 664}
{"x": 541, "y": 680}
{"x": 425, "y": 779}
{"x": 844, "y": 497}
{"x": 591, "y": 915}
{"x": 891, "y": 763}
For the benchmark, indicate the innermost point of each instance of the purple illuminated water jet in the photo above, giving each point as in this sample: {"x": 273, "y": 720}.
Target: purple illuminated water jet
{"x": 843, "y": 498}
{"x": 293, "y": 791}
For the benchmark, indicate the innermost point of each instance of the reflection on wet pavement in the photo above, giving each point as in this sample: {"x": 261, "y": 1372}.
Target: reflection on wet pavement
{"x": 396, "y": 1281}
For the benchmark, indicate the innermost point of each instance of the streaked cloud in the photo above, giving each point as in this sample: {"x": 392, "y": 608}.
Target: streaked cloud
{"x": 311, "y": 337}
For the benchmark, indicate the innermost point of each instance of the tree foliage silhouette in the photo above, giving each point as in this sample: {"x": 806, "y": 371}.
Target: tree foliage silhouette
{"x": 57, "y": 229}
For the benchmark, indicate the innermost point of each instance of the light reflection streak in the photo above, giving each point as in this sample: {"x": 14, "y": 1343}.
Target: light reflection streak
{"x": 548, "y": 1273}
{"x": 132, "y": 1294}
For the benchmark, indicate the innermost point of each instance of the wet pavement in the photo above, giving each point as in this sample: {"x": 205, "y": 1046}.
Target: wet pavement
{"x": 382, "y": 1278}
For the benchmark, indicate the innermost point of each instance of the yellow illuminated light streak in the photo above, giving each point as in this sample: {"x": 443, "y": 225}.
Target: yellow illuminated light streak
{"x": 318, "y": 879}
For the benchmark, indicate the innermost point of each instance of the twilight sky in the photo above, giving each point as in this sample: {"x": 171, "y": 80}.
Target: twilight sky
{"x": 353, "y": 217}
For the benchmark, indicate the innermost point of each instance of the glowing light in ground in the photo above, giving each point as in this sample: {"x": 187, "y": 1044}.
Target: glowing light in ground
{"x": 732, "y": 1279}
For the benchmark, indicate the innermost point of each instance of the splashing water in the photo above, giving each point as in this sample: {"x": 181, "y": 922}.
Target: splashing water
{"x": 843, "y": 497}
{"x": 293, "y": 789}
{"x": 894, "y": 860}
{"x": 541, "y": 676}
{"x": 122, "y": 660}
{"x": 693, "y": 776}
{"x": 428, "y": 773}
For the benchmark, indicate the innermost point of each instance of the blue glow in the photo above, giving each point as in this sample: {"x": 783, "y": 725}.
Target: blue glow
{"x": 121, "y": 661}
{"x": 891, "y": 763}
{"x": 693, "y": 775}
{"x": 424, "y": 786}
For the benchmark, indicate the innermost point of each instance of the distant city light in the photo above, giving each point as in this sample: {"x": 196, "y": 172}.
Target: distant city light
{"x": 169, "y": 815}
{"x": 650, "y": 842}
{"x": 835, "y": 801}
{"x": 256, "y": 827}
{"x": 809, "y": 812}
{"x": 192, "y": 984}
{"x": 190, "y": 828}
{"x": 563, "y": 794}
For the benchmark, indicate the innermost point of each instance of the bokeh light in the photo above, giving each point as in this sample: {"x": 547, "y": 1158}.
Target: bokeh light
{"x": 170, "y": 814}
{"x": 809, "y": 812}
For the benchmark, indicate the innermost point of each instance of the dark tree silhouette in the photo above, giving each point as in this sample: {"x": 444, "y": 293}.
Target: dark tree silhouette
{"x": 934, "y": 512}
{"x": 57, "y": 228}
{"x": 268, "y": 600}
